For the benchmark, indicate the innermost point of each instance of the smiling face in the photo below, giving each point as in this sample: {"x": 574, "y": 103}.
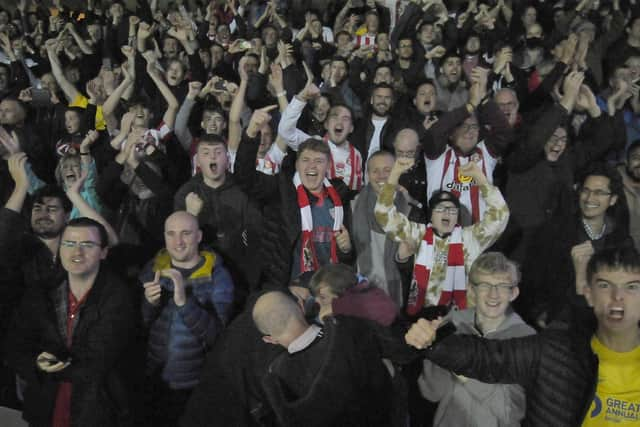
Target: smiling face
{"x": 213, "y": 162}
{"x": 182, "y": 237}
{"x": 452, "y": 69}
{"x": 633, "y": 164}
{"x": 444, "y": 217}
{"x": 48, "y": 217}
{"x": 425, "y": 99}
{"x": 465, "y": 136}
{"x": 596, "y": 197}
{"x": 614, "y": 295}
{"x": 70, "y": 170}
{"x": 81, "y": 251}
{"x": 381, "y": 101}
{"x": 339, "y": 124}
{"x": 556, "y": 145}
{"x": 378, "y": 170}
{"x": 213, "y": 123}
{"x": 492, "y": 302}
{"x": 312, "y": 167}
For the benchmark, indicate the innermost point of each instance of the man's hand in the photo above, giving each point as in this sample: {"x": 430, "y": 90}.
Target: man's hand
{"x": 76, "y": 187}
{"x": 586, "y": 101}
{"x": 474, "y": 171}
{"x": 49, "y": 363}
{"x": 194, "y": 90}
{"x": 193, "y": 204}
{"x": 18, "y": 170}
{"x": 505, "y": 56}
{"x": 571, "y": 89}
{"x": 91, "y": 137}
{"x": 343, "y": 240}
{"x": 179, "y": 293}
{"x": 437, "y": 52}
{"x": 399, "y": 167}
{"x": 309, "y": 92}
{"x": 259, "y": 118}
{"x": 10, "y": 142}
{"x": 580, "y": 254}
{"x": 422, "y": 333}
{"x": 153, "y": 291}
{"x": 144, "y": 31}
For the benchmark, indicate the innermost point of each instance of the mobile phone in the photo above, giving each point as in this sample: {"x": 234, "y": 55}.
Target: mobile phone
{"x": 220, "y": 85}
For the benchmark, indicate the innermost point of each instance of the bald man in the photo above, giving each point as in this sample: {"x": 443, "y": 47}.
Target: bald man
{"x": 187, "y": 300}
{"x": 327, "y": 377}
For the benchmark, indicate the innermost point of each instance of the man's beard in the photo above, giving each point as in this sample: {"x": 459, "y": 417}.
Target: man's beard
{"x": 634, "y": 174}
{"x": 46, "y": 232}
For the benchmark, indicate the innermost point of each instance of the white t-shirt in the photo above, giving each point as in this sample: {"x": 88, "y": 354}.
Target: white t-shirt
{"x": 374, "y": 144}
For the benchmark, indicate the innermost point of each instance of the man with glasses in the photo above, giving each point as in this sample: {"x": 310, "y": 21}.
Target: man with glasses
{"x": 444, "y": 250}
{"x": 493, "y": 285}
{"x": 564, "y": 244}
{"x": 475, "y": 132}
{"x": 583, "y": 371}
{"x": 66, "y": 342}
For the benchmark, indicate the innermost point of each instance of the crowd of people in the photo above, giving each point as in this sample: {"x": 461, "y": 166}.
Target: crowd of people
{"x": 320, "y": 213}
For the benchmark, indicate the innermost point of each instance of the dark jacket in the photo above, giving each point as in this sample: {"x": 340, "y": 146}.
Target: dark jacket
{"x": 361, "y": 136}
{"x": 282, "y": 222}
{"x": 556, "y": 368}
{"x": 24, "y": 261}
{"x": 101, "y": 337}
{"x": 230, "y": 224}
{"x": 230, "y": 391}
{"x": 338, "y": 380}
{"x": 179, "y": 336}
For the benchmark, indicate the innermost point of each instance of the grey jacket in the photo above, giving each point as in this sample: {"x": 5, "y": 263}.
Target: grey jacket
{"x": 468, "y": 402}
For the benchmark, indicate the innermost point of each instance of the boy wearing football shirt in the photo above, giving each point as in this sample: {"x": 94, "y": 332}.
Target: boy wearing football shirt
{"x": 584, "y": 371}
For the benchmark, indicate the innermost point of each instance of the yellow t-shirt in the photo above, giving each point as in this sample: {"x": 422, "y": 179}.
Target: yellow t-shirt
{"x": 82, "y": 102}
{"x": 617, "y": 399}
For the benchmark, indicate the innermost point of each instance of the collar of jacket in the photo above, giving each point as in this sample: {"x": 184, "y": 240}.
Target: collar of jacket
{"x": 162, "y": 261}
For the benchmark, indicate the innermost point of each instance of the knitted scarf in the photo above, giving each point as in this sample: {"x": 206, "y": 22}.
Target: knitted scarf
{"x": 454, "y": 287}
{"x": 355, "y": 161}
{"x": 308, "y": 258}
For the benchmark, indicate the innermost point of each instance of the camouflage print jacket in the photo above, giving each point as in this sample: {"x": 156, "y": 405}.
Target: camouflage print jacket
{"x": 476, "y": 238}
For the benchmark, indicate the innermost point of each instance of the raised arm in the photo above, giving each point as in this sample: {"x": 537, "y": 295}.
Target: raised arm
{"x": 395, "y": 224}
{"x": 169, "y": 117}
{"x": 82, "y": 43}
{"x": 287, "y": 126}
{"x": 235, "y": 127}
{"x": 85, "y": 210}
{"x": 69, "y": 90}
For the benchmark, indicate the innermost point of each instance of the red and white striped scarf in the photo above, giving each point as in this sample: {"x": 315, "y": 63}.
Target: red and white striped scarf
{"x": 454, "y": 287}
{"x": 355, "y": 161}
{"x": 308, "y": 258}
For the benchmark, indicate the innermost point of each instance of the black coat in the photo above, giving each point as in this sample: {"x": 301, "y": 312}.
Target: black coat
{"x": 101, "y": 337}
{"x": 282, "y": 226}
{"x": 556, "y": 368}
{"x": 338, "y": 380}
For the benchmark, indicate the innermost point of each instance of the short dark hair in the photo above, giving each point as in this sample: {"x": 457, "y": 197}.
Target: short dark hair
{"x": 54, "y": 192}
{"x": 624, "y": 258}
{"x": 382, "y": 85}
{"x": 341, "y": 59}
{"x": 440, "y": 196}
{"x": 316, "y": 145}
{"x": 84, "y": 222}
{"x": 211, "y": 139}
{"x": 338, "y": 277}
{"x": 379, "y": 153}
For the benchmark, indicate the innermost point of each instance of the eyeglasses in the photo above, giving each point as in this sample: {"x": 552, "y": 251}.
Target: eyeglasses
{"x": 443, "y": 209}
{"x": 409, "y": 154}
{"x": 632, "y": 288}
{"x": 467, "y": 127}
{"x": 71, "y": 244}
{"x": 598, "y": 193}
{"x": 501, "y": 288}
